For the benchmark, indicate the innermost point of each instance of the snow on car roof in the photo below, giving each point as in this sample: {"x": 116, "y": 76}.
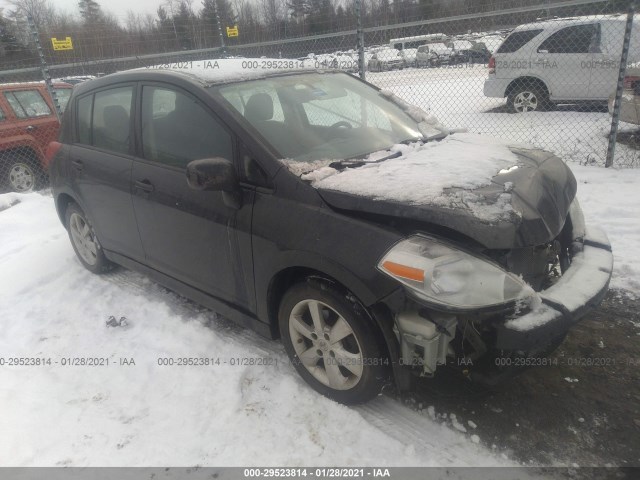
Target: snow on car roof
{"x": 563, "y": 22}
{"x": 227, "y": 70}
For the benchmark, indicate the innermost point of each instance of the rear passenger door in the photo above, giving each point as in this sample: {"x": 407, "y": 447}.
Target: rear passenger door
{"x": 564, "y": 60}
{"x": 101, "y": 159}
{"x": 189, "y": 235}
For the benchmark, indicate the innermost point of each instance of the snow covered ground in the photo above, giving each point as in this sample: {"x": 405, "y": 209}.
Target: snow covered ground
{"x": 146, "y": 414}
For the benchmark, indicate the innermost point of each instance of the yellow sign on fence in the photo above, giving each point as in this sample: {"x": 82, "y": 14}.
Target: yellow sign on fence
{"x": 65, "y": 44}
{"x": 232, "y": 31}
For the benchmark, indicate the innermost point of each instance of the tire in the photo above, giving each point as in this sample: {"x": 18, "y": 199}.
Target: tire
{"x": 84, "y": 241}
{"x": 528, "y": 98}
{"x": 23, "y": 175}
{"x": 356, "y": 372}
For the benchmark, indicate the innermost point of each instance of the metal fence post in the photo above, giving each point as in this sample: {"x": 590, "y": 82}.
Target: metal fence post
{"x": 43, "y": 67}
{"x": 360, "y": 39}
{"x": 224, "y": 48}
{"x": 615, "y": 119}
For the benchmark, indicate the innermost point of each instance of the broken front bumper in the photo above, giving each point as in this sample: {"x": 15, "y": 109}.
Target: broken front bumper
{"x": 580, "y": 289}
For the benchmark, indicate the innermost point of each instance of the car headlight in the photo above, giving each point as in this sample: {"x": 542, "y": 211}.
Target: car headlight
{"x": 450, "y": 277}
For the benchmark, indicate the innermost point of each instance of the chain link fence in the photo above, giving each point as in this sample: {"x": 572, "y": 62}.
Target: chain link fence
{"x": 544, "y": 74}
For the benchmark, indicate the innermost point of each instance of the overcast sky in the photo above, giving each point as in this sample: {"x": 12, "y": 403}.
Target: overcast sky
{"x": 116, "y": 7}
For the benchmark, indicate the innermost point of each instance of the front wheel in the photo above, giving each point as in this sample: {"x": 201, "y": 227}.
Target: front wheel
{"x": 331, "y": 342}
{"x": 84, "y": 241}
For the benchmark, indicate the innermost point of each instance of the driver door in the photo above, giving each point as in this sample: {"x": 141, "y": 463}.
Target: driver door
{"x": 187, "y": 234}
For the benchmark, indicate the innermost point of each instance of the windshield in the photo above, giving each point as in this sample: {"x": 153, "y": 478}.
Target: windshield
{"x": 316, "y": 116}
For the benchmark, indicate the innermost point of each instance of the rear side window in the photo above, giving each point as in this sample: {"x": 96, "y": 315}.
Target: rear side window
{"x": 111, "y": 125}
{"x": 28, "y": 103}
{"x": 575, "y": 39}
{"x": 2, "y": 115}
{"x": 517, "y": 40}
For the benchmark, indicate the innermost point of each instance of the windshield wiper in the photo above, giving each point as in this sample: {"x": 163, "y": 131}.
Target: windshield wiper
{"x": 342, "y": 164}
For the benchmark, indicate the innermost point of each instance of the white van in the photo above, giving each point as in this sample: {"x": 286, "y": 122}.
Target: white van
{"x": 561, "y": 60}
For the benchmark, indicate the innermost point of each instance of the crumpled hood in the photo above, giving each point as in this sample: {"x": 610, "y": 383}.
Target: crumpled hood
{"x": 524, "y": 203}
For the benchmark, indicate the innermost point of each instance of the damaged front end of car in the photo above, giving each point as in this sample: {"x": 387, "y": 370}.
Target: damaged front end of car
{"x": 507, "y": 302}
{"x": 489, "y": 316}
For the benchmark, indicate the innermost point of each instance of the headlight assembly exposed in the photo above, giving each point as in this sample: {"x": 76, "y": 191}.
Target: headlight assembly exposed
{"x": 450, "y": 277}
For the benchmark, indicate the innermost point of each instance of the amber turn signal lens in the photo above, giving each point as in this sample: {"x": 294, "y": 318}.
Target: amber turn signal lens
{"x": 403, "y": 271}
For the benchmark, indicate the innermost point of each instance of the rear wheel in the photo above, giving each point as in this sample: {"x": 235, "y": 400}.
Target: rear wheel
{"x": 22, "y": 177}
{"x": 331, "y": 342}
{"x": 528, "y": 98}
{"x": 84, "y": 241}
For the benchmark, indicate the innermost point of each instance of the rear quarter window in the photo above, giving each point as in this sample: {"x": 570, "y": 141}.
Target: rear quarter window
{"x": 517, "y": 40}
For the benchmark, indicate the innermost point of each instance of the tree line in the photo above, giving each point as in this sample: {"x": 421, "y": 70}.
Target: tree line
{"x": 182, "y": 25}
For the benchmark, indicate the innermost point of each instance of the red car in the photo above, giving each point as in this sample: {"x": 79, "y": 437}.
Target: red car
{"x": 27, "y": 124}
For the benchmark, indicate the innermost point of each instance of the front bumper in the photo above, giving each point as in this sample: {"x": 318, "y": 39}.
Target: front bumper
{"x": 496, "y": 87}
{"x": 580, "y": 289}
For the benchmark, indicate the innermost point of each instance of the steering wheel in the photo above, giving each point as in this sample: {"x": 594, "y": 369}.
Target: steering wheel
{"x": 342, "y": 123}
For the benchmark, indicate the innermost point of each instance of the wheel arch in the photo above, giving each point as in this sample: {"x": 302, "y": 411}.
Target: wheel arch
{"x": 289, "y": 276}
{"x": 62, "y": 203}
{"x": 529, "y": 81}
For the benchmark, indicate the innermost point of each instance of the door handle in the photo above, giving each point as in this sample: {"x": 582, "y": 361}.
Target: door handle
{"x": 31, "y": 128}
{"x": 144, "y": 185}
{"x": 78, "y": 164}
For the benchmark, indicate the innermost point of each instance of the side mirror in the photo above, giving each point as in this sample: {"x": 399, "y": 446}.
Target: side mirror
{"x": 216, "y": 174}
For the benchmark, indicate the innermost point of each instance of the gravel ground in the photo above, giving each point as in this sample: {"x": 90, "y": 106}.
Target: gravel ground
{"x": 584, "y": 409}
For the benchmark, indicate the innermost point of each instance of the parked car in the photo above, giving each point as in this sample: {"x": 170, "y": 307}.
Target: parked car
{"x": 386, "y": 59}
{"x": 409, "y": 56}
{"x": 28, "y": 123}
{"x": 563, "y": 60}
{"x": 370, "y": 262}
{"x": 470, "y": 52}
{"x": 630, "y": 101}
{"x": 433, "y": 54}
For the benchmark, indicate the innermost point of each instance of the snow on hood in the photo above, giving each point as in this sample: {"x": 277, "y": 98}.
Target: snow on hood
{"x": 439, "y": 173}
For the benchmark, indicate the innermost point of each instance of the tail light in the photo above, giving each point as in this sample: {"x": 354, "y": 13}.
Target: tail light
{"x": 492, "y": 65}
{"x": 630, "y": 81}
{"x": 51, "y": 151}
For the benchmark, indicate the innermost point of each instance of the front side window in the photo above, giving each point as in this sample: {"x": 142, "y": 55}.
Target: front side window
{"x": 314, "y": 116}
{"x": 111, "y": 119}
{"x": 176, "y": 129}
{"x": 517, "y": 40}
{"x": 575, "y": 39}
{"x": 28, "y": 103}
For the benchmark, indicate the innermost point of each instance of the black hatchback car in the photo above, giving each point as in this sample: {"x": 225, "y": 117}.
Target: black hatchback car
{"x": 313, "y": 207}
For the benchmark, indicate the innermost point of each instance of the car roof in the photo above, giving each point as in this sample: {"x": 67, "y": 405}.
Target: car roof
{"x": 206, "y": 72}
{"x": 17, "y": 85}
{"x": 564, "y": 22}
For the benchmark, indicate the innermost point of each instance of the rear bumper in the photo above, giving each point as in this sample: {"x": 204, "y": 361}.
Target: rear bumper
{"x": 580, "y": 289}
